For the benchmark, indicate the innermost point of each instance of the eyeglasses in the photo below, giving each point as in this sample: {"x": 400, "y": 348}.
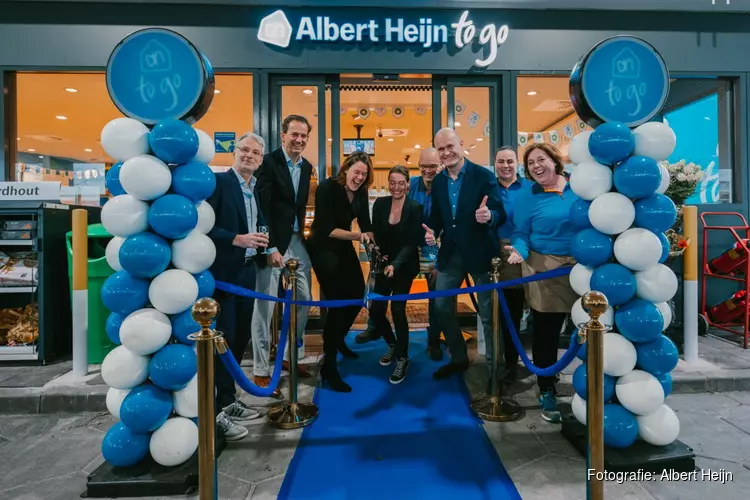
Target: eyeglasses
{"x": 429, "y": 167}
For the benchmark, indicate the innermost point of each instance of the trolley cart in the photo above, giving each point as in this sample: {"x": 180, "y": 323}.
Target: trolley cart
{"x": 733, "y": 265}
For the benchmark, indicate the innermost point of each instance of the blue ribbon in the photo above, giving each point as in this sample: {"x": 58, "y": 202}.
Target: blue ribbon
{"x": 239, "y": 376}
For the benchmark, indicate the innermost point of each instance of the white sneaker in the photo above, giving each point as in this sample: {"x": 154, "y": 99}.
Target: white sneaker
{"x": 230, "y": 429}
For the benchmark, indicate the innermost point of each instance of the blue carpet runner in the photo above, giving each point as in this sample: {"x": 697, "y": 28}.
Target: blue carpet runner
{"x": 415, "y": 440}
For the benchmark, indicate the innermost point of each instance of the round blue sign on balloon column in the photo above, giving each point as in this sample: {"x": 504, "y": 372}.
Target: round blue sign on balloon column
{"x": 155, "y": 73}
{"x": 622, "y": 79}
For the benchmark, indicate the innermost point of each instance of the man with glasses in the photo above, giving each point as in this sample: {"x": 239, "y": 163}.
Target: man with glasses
{"x": 419, "y": 191}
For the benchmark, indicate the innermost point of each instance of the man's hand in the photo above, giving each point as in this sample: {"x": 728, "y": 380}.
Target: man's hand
{"x": 429, "y": 236}
{"x": 251, "y": 240}
{"x": 276, "y": 259}
{"x": 514, "y": 257}
{"x": 388, "y": 271}
{"x": 483, "y": 214}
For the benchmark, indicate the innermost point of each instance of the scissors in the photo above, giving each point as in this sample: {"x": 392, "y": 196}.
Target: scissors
{"x": 377, "y": 265}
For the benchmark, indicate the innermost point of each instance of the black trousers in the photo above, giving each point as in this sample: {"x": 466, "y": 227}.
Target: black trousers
{"x": 547, "y": 327}
{"x": 515, "y": 297}
{"x": 234, "y": 323}
{"x": 398, "y": 285}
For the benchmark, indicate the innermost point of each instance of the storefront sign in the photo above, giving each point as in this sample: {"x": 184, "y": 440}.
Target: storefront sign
{"x": 275, "y": 29}
{"x": 622, "y": 79}
{"x": 29, "y": 191}
{"x": 154, "y": 74}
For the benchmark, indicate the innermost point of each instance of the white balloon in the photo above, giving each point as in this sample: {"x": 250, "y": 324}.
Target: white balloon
{"x": 657, "y": 283}
{"x": 173, "y": 291}
{"x": 578, "y": 405}
{"x": 124, "y": 369}
{"x": 612, "y": 213}
{"x": 174, "y": 442}
{"x": 579, "y": 316}
{"x": 185, "y": 401}
{"x": 124, "y": 138}
{"x": 146, "y": 177}
{"x": 619, "y": 355}
{"x": 114, "y": 400}
{"x": 638, "y": 249}
{"x": 660, "y": 428}
{"x": 112, "y": 253}
{"x": 655, "y": 140}
{"x": 124, "y": 215}
{"x": 206, "y": 147}
{"x": 579, "y": 149}
{"x": 591, "y": 179}
{"x": 580, "y": 279}
{"x": 639, "y": 392}
{"x": 666, "y": 312}
{"x": 206, "y": 217}
{"x": 665, "y": 180}
{"x": 145, "y": 331}
{"x": 194, "y": 253}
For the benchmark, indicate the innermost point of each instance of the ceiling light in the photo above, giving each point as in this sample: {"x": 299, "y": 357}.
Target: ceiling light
{"x": 61, "y": 117}
{"x": 466, "y": 152}
{"x": 390, "y": 139}
{"x": 408, "y": 163}
{"x": 217, "y": 91}
{"x": 416, "y": 146}
{"x": 40, "y": 156}
{"x": 330, "y": 140}
{"x": 457, "y": 124}
{"x": 480, "y": 139}
{"x": 87, "y": 150}
{"x": 531, "y": 92}
{"x": 18, "y": 138}
{"x": 307, "y": 91}
{"x": 32, "y": 150}
{"x": 71, "y": 90}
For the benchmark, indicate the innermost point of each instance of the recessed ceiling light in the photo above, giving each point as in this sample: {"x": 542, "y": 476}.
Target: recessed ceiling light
{"x": 408, "y": 163}
{"x": 531, "y": 92}
{"x": 18, "y": 138}
{"x": 61, "y": 117}
{"x": 32, "y": 150}
{"x": 217, "y": 91}
{"x": 330, "y": 140}
{"x": 87, "y": 150}
{"x": 480, "y": 139}
{"x": 40, "y": 156}
{"x": 390, "y": 139}
{"x": 71, "y": 90}
{"x": 466, "y": 152}
{"x": 457, "y": 124}
{"x": 307, "y": 91}
{"x": 417, "y": 146}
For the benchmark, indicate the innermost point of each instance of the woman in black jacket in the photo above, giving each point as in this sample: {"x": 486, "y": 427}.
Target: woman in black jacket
{"x": 397, "y": 226}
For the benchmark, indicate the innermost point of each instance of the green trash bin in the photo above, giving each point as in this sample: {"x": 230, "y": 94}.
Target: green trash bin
{"x": 98, "y": 345}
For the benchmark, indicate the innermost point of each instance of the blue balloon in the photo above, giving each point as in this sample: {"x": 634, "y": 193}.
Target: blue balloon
{"x": 664, "y": 247}
{"x": 123, "y": 293}
{"x": 657, "y": 357}
{"x": 581, "y": 387}
{"x": 615, "y": 281}
{"x": 194, "y": 180}
{"x": 620, "y": 426}
{"x": 665, "y": 379}
{"x": 112, "y": 180}
{"x": 639, "y": 321}
{"x": 172, "y": 367}
{"x": 656, "y": 213}
{"x": 592, "y": 248}
{"x": 146, "y": 408}
{"x": 145, "y": 255}
{"x": 611, "y": 143}
{"x": 114, "y": 322}
{"x": 121, "y": 447}
{"x": 637, "y": 177}
{"x": 579, "y": 214}
{"x": 206, "y": 283}
{"x": 172, "y": 216}
{"x": 173, "y": 141}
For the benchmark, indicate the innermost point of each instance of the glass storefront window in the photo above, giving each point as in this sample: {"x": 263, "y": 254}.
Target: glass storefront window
{"x": 472, "y": 121}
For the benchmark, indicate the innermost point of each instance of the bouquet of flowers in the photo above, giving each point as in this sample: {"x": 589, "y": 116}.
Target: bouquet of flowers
{"x": 683, "y": 178}
{"x": 677, "y": 243}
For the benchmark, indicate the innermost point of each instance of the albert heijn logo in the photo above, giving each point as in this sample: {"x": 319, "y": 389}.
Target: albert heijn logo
{"x": 275, "y": 29}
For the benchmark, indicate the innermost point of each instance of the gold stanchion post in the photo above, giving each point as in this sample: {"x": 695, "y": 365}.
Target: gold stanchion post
{"x": 204, "y": 311}
{"x": 293, "y": 414}
{"x": 496, "y": 408}
{"x": 595, "y": 304}
{"x": 274, "y": 332}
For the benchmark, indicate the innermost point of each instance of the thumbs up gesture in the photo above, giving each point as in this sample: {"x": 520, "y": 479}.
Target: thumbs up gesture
{"x": 483, "y": 214}
{"x": 429, "y": 236}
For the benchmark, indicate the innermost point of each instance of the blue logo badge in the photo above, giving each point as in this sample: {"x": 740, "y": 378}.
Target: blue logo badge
{"x": 154, "y": 74}
{"x": 622, "y": 79}
{"x": 224, "y": 142}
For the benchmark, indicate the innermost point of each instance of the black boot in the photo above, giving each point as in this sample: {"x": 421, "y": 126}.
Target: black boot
{"x": 330, "y": 373}
{"x": 367, "y": 336}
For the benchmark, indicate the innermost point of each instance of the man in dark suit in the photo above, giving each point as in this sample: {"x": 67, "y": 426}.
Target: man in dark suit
{"x": 283, "y": 188}
{"x": 237, "y": 241}
{"x": 466, "y": 210}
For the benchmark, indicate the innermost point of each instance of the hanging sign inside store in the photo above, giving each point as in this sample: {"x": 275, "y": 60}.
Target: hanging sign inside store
{"x": 622, "y": 79}
{"x": 224, "y": 142}
{"x": 29, "y": 191}
{"x": 155, "y": 74}
{"x": 275, "y": 29}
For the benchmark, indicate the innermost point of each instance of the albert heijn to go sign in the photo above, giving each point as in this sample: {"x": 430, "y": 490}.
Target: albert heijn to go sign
{"x": 621, "y": 79}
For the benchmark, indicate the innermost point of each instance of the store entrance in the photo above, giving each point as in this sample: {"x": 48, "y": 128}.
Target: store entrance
{"x": 393, "y": 118}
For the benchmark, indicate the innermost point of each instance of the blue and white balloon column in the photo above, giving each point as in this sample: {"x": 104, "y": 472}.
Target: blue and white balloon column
{"x": 160, "y": 252}
{"x": 617, "y": 88}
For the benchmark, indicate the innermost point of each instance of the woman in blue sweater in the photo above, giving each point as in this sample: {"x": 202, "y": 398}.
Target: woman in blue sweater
{"x": 541, "y": 242}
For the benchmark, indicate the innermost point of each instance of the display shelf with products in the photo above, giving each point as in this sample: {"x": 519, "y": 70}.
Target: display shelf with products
{"x": 35, "y": 317}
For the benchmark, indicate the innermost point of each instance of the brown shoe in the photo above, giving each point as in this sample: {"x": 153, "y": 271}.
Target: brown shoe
{"x": 302, "y": 372}
{"x": 263, "y": 382}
